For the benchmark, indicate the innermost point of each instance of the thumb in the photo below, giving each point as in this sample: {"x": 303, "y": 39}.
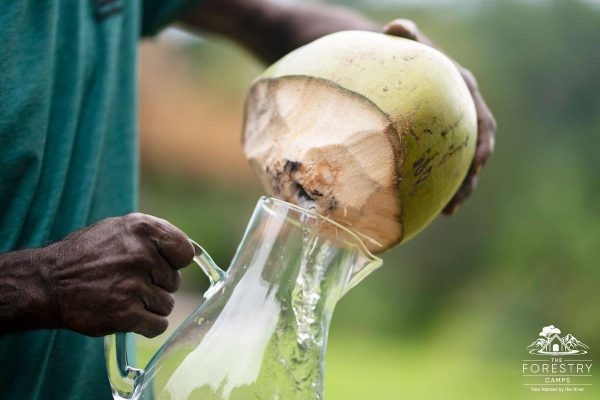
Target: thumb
{"x": 402, "y": 27}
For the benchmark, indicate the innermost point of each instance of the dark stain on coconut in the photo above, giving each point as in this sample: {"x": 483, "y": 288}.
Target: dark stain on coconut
{"x": 452, "y": 150}
{"x": 292, "y": 166}
{"x": 423, "y": 171}
{"x": 452, "y": 126}
{"x": 422, "y": 166}
{"x": 414, "y": 135}
{"x": 416, "y": 163}
{"x": 302, "y": 193}
{"x": 423, "y": 176}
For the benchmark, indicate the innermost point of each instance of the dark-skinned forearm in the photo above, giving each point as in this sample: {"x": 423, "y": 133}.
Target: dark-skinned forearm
{"x": 24, "y": 296}
{"x": 117, "y": 275}
{"x": 271, "y": 29}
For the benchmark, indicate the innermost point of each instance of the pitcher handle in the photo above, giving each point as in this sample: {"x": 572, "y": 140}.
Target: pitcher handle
{"x": 215, "y": 274}
{"x": 124, "y": 379}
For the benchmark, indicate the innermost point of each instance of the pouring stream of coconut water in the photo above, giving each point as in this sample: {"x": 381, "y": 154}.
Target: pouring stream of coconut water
{"x": 361, "y": 139}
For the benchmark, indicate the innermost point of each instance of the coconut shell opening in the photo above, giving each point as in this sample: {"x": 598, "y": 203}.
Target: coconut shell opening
{"x": 318, "y": 145}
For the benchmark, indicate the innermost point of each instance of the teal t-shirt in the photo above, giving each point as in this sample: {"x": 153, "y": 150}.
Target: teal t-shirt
{"x": 68, "y": 157}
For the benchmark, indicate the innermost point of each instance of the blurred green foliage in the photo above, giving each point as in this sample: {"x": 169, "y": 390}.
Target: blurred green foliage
{"x": 521, "y": 254}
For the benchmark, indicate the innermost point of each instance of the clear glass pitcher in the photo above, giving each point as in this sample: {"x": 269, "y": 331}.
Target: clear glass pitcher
{"x": 262, "y": 330}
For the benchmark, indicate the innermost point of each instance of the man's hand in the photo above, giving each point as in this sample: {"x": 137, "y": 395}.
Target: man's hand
{"x": 117, "y": 275}
{"x": 486, "y": 124}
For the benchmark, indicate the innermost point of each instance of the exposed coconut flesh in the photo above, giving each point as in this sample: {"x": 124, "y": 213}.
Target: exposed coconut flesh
{"x": 377, "y": 132}
{"x": 317, "y": 144}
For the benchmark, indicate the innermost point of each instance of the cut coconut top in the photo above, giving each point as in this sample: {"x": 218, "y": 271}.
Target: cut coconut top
{"x": 343, "y": 160}
{"x": 376, "y": 132}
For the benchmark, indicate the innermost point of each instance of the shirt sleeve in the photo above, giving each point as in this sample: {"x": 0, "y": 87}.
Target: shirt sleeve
{"x": 156, "y": 14}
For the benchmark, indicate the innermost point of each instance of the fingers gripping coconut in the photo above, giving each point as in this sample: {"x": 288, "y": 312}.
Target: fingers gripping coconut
{"x": 377, "y": 132}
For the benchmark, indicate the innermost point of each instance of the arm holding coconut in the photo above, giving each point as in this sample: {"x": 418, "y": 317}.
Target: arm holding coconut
{"x": 271, "y": 29}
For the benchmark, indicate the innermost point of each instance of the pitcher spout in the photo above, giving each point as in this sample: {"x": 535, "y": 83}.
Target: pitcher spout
{"x": 365, "y": 263}
{"x": 360, "y": 262}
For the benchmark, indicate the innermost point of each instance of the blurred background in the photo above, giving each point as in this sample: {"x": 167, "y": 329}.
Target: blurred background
{"x": 451, "y": 312}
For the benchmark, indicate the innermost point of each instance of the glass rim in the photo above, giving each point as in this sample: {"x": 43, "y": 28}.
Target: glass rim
{"x": 355, "y": 238}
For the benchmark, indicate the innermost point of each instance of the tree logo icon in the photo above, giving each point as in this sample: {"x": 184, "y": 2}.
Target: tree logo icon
{"x": 550, "y": 343}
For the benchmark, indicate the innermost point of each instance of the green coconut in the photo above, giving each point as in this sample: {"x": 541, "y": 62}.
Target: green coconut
{"x": 374, "y": 131}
